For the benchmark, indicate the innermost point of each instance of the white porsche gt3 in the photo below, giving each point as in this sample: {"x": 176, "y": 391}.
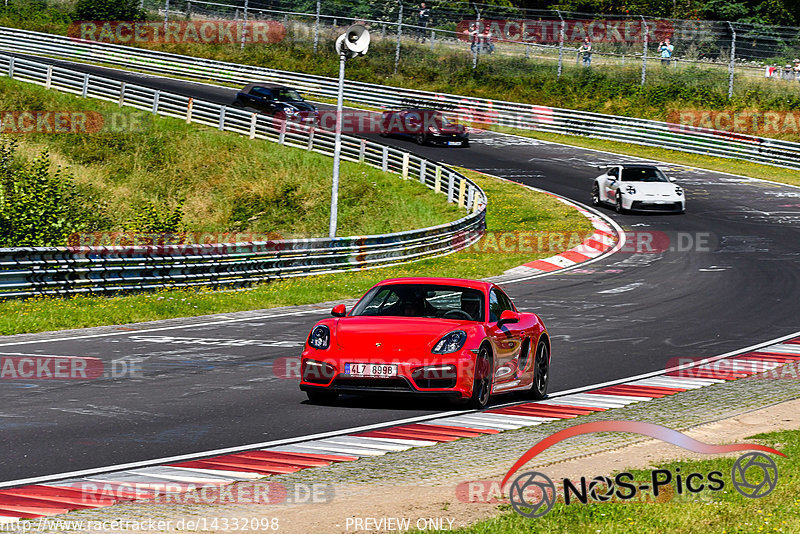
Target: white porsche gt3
{"x": 638, "y": 188}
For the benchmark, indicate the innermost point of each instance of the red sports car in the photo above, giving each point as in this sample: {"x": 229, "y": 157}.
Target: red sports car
{"x": 446, "y": 337}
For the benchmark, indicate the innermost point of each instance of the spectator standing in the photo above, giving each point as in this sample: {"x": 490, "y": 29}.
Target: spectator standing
{"x": 586, "y": 51}
{"x": 796, "y": 69}
{"x": 487, "y": 41}
{"x": 665, "y": 49}
{"x": 423, "y": 19}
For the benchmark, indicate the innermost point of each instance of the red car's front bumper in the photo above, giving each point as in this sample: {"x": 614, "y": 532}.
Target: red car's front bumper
{"x": 442, "y": 375}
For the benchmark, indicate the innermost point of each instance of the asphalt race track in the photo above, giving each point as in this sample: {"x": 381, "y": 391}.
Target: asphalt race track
{"x": 210, "y": 386}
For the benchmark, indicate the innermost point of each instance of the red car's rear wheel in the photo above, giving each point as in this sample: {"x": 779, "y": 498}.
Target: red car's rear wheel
{"x": 541, "y": 371}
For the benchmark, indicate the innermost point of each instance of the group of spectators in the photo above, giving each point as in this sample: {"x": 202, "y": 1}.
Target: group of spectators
{"x": 788, "y": 72}
{"x": 665, "y": 50}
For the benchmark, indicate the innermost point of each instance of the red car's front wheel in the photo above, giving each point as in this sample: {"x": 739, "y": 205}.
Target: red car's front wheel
{"x": 482, "y": 379}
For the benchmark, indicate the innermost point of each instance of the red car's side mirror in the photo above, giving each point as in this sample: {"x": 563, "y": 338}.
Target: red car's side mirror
{"x": 508, "y": 316}
{"x": 339, "y": 310}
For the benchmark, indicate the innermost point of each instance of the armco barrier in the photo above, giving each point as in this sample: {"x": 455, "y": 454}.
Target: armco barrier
{"x": 517, "y": 115}
{"x": 26, "y": 272}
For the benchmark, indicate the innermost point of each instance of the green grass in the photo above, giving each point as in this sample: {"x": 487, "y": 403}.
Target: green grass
{"x": 724, "y": 511}
{"x": 608, "y": 89}
{"x": 226, "y": 182}
{"x": 512, "y": 208}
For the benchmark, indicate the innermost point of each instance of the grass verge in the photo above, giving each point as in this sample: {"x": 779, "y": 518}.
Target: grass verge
{"x": 223, "y": 182}
{"x": 724, "y": 511}
{"x": 512, "y": 208}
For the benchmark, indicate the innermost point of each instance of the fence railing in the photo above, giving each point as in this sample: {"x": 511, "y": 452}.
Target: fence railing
{"x": 26, "y": 272}
{"x": 477, "y": 110}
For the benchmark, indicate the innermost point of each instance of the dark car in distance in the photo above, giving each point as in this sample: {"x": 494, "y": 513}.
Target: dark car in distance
{"x": 425, "y": 126}
{"x": 277, "y": 100}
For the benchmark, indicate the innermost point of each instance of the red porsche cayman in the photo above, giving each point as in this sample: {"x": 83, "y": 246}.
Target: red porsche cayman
{"x": 461, "y": 339}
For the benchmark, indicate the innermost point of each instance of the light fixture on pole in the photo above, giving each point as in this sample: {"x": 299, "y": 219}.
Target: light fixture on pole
{"x": 353, "y": 42}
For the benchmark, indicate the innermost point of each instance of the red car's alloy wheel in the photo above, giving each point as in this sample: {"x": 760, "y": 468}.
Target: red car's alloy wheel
{"x": 541, "y": 371}
{"x": 482, "y": 380}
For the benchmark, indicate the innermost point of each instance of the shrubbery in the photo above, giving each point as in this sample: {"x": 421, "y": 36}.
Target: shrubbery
{"x": 39, "y": 206}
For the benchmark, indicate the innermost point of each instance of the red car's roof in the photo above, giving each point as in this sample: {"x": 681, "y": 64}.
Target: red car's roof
{"x": 461, "y": 282}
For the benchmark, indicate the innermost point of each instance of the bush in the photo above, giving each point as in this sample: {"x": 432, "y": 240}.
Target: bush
{"x": 39, "y": 207}
{"x": 108, "y": 10}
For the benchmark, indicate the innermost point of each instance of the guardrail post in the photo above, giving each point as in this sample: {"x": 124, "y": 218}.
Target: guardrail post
{"x": 166, "y": 15}
{"x": 11, "y": 67}
{"x": 462, "y": 188}
{"x": 422, "y": 168}
{"x": 49, "y": 82}
{"x": 385, "y": 159}
{"x": 732, "y": 63}
{"x": 362, "y": 149}
{"x": 644, "y": 50}
{"x": 433, "y": 40}
{"x": 470, "y": 197}
{"x": 244, "y": 26}
{"x": 437, "y": 180}
{"x": 189, "y": 107}
{"x": 222, "y": 110}
{"x": 399, "y": 33}
{"x": 475, "y": 202}
{"x": 316, "y": 28}
{"x": 560, "y": 43}
{"x": 405, "y": 165}
{"x": 85, "y": 88}
{"x": 311, "y": 138}
{"x": 451, "y": 186}
{"x": 189, "y": 9}
{"x": 253, "y": 121}
{"x": 156, "y": 98}
{"x": 121, "y": 101}
{"x": 282, "y": 134}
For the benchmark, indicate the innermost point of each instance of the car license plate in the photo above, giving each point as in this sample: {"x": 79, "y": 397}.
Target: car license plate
{"x": 371, "y": 370}
{"x": 453, "y": 143}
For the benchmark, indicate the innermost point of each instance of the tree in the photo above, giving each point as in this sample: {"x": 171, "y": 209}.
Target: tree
{"x": 108, "y": 10}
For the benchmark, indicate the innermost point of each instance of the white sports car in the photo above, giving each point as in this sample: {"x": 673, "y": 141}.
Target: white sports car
{"x": 638, "y": 188}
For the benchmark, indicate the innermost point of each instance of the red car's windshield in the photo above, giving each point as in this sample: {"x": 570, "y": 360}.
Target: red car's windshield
{"x": 422, "y": 300}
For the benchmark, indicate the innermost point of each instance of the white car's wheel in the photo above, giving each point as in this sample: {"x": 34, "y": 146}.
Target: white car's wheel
{"x": 618, "y": 204}
{"x": 596, "y": 194}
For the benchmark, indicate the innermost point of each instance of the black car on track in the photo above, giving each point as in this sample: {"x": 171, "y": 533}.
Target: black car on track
{"x": 277, "y": 100}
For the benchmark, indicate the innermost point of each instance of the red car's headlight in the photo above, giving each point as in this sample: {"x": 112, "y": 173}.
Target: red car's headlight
{"x": 450, "y": 342}
{"x": 320, "y": 337}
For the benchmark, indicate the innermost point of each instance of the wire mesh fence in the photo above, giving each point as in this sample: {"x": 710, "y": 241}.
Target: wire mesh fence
{"x": 482, "y": 33}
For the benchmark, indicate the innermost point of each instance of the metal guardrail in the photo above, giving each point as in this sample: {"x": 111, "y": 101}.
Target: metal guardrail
{"x": 494, "y": 112}
{"x": 26, "y": 272}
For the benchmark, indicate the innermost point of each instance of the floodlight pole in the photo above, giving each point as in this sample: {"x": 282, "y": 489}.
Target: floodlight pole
{"x": 337, "y": 149}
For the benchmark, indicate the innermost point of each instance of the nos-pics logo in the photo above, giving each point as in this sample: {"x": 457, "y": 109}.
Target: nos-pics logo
{"x": 533, "y": 494}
